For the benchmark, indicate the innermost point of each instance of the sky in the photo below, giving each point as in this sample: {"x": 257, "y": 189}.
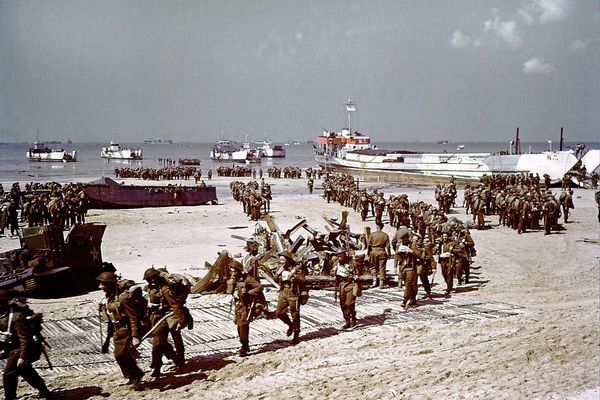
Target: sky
{"x": 199, "y": 71}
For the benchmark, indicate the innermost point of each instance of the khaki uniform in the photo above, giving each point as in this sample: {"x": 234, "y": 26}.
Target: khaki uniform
{"x": 289, "y": 299}
{"x": 126, "y": 321}
{"x": 379, "y": 252}
{"x": 157, "y": 309}
{"x": 249, "y": 298}
{"x": 20, "y": 346}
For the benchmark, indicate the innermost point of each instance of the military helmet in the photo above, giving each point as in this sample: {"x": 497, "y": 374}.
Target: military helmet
{"x": 151, "y": 273}
{"x": 107, "y": 277}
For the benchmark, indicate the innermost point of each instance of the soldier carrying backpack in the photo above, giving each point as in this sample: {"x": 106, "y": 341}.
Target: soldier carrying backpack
{"x": 22, "y": 344}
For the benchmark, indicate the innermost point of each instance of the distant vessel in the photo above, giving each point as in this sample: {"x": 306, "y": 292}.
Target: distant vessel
{"x": 269, "y": 150}
{"x": 41, "y": 152}
{"x": 226, "y": 150}
{"x": 353, "y": 152}
{"x": 114, "y": 151}
{"x": 443, "y": 141}
{"x": 460, "y": 147}
{"x": 158, "y": 140}
{"x": 106, "y": 193}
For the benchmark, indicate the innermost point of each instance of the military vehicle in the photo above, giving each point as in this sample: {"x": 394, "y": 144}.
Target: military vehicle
{"x": 51, "y": 265}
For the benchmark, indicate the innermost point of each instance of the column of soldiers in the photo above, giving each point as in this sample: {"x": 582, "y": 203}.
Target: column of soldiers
{"x": 519, "y": 201}
{"x": 253, "y": 197}
{"x": 291, "y": 172}
{"x": 156, "y": 174}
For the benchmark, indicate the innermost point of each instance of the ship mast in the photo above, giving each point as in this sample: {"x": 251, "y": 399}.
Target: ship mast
{"x": 350, "y": 108}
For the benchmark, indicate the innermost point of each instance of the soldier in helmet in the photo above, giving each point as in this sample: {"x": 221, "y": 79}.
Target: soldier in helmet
{"x": 291, "y": 286}
{"x": 249, "y": 302}
{"x": 123, "y": 315}
{"x": 348, "y": 290}
{"x": 168, "y": 300}
{"x": 378, "y": 250}
{"x": 157, "y": 309}
{"x": 19, "y": 347}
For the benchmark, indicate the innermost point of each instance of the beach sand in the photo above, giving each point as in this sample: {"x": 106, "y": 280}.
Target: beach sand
{"x": 548, "y": 349}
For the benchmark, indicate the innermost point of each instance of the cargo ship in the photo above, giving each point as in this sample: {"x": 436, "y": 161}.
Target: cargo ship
{"x": 106, "y": 193}
{"x": 227, "y": 150}
{"x": 353, "y": 152}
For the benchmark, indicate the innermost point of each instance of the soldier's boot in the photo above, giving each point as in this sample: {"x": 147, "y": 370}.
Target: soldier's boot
{"x": 244, "y": 350}
{"x": 347, "y": 324}
{"x": 156, "y": 372}
{"x": 404, "y": 303}
{"x": 296, "y": 338}
{"x": 353, "y": 321}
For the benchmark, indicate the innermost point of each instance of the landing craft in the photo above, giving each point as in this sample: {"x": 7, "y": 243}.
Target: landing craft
{"x": 50, "y": 265}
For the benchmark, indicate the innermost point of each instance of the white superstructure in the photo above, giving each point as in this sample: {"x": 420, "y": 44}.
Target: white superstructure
{"x": 114, "y": 151}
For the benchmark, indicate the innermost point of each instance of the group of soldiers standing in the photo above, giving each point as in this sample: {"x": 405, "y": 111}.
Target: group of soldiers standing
{"x": 254, "y": 197}
{"x": 520, "y": 203}
{"x": 43, "y": 204}
{"x": 157, "y": 174}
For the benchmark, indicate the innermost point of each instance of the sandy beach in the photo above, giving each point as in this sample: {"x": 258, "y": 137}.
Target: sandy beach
{"x": 546, "y": 348}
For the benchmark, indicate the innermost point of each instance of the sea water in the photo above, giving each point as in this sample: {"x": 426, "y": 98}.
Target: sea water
{"x": 14, "y": 166}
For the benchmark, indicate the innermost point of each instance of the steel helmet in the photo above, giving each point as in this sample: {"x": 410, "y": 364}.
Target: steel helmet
{"x": 107, "y": 277}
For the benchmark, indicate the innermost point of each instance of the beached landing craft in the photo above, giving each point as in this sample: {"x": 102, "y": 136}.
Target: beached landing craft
{"x": 353, "y": 152}
{"x": 41, "y": 152}
{"x": 106, "y": 193}
{"x": 114, "y": 151}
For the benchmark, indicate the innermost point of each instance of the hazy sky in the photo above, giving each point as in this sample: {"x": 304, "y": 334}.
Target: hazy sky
{"x": 185, "y": 70}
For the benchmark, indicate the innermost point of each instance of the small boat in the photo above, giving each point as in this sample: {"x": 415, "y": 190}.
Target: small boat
{"x": 460, "y": 147}
{"x": 189, "y": 161}
{"x": 114, "y": 151}
{"x": 158, "y": 140}
{"x": 106, "y": 193}
{"x": 41, "y": 152}
{"x": 269, "y": 150}
{"x": 227, "y": 150}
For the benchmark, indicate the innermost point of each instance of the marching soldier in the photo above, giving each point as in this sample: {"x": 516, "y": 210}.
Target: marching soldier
{"x": 291, "y": 286}
{"x": 378, "y": 250}
{"x": 566, "y": 201}
{"x": 126, "y": 321}
{"x": 171, "y": 298}
{"x": 157, "y": 310}
{"x": 310, "y": 184}
{"x": 348, "y": 290}
{"x": 19, "y": 347}
{"x": 249, "y": 302}
{"x": 444, "y": 251}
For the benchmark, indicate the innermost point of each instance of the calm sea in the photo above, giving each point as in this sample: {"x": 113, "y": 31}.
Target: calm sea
{"x": 14, "y": 167}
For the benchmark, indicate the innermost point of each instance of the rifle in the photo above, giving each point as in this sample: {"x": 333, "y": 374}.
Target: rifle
{"x": 43, "y": 346}
{"x": 155, "y": 326}
{"x": 251, "y": 311}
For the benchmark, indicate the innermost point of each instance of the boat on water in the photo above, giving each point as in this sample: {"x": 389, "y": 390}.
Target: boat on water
{"x": 269, "y": 150}
{"x": 158, "y": 140}
{"x": 41, "y": 152}
{"x": 353, "y": 152}
{"x": 106, "y": 193}
{"x": 115, "y": 151}
{"x": 227, "y": 150}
